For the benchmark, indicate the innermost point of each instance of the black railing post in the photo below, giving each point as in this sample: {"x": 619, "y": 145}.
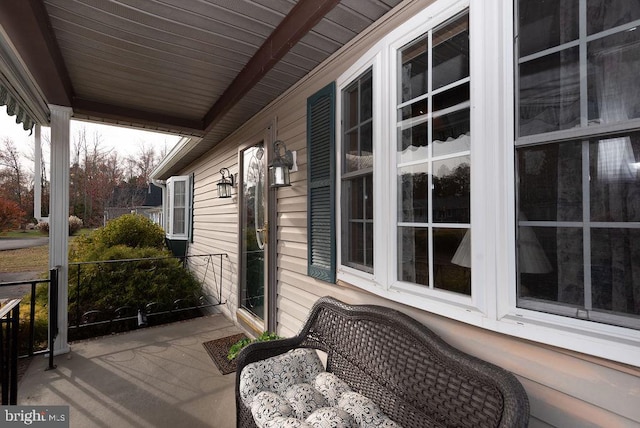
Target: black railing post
{"x": 78, "y": 296}
{"x": 13, "y": 390}
{"x": 53, "y": 313}
{"x": 9, "y": 319}
{"x": 32, "y": 319}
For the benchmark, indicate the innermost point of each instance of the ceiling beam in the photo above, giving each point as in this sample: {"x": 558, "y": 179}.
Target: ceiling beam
{"x": 130, "y": 116}
{"x": 300, "y": 20}
{"x": 27, "y": 24}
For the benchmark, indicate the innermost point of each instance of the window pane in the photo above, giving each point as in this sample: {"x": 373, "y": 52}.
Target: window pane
{"x": 451, "y": 97}
{"x": 413, "y": 194}
{"x": 351, "y": 151}
{"x": 179, "y": 194}
{"x": 413, "y": 143}
{"x": 550, "y": 182}
{"x": 451, "y": 190}
{"x": 366, "y": 99}
{"x": 451, "y": 52}
{"x": 615, "y": 270}
{"x": 605, "y": 14}
{"x": 451, "y": 133}
{"x": 452, "y": 260}
{"x": 368, "y": 197}
{"x": 613, "y": 90}
{"x": 355, "y": 247}
{"x": 414, "y": 70}
{"x": 178, "y": 220}
{"x": 550, "y": 93}
{"x": 417, "y": 109}
{"x": 351, "y": 116}
{"x": 615, "y": 178}
{"x": 366, "y": 146}
{"x": 550, "y": 264}
{"x": 546, "y": 23}
{"x": 413, "y": 254}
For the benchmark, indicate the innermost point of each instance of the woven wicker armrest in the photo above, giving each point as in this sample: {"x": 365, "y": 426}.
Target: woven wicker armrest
{"x": 416, "y": 378}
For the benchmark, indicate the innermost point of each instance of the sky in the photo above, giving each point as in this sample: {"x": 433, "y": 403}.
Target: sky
{"x": 125, "y": 141}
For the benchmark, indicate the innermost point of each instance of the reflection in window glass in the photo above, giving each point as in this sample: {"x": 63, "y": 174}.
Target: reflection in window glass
{"x": 451, "y": 190}
{"x": 357, "y": 174}
{"x": 179, "y": 204}
{"x": 544, "y": 24}
{"x": 613, "y": 64}
{"x": 579, "y": 200}
{"x": 550, "y": 93}
{"x": 433, "y": 161}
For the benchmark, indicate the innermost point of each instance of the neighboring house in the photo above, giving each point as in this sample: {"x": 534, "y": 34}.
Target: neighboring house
{"x": 151, "y": 207}
{"x": 430, "y": 128}
{"x": 472, "y": 163}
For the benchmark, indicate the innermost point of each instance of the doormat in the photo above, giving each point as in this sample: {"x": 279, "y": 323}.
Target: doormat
{"x": 218, "y": 350}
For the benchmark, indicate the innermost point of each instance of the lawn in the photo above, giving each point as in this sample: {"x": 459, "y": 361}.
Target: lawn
{"x": 34, "y": 259}
{"x": 16, "y": 234}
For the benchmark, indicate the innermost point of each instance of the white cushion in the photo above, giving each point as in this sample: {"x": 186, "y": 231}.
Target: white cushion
{"x": 364, "y": 411}
{"x": 268, "y": 405}
{"x": 330, "y": 417}
{"x": 278, "y": 373}
{"x": 331, "y": 387}
{"x": 304, "y": 399}
{"x": 292, "y": 390}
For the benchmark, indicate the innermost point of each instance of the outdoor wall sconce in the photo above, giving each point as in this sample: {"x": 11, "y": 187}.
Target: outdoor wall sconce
{"x": 281, "y": 165}
{"x": 225, "y": 184}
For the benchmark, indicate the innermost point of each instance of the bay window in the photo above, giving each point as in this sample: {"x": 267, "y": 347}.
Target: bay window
{"x": 578, "y": 159}
{"x": 178, "y": 208}
{"x": 552, "y": 125}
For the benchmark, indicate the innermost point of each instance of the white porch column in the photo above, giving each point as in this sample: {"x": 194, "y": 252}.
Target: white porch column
{"x": 37, "y": 175}
{"x": 59, "y": 215}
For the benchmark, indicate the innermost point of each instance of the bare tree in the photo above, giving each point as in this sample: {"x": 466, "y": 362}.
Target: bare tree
{"x": 14, "y": 180}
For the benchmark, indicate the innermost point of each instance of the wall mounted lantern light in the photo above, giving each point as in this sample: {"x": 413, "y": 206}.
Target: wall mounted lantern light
{"x": 225, "y": 184}
{"x": 282, "y": 163}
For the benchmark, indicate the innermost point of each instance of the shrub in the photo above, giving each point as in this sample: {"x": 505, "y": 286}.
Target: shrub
{"x": 41, "y": 320}
{"x": 75, "y": 224}
{"x": 154, "y": 276}
{"x": 131, "y": 230}
{"x": 107, "y": 286}
{"x": 10, "y": 215}
{"x": 43, "y": 227}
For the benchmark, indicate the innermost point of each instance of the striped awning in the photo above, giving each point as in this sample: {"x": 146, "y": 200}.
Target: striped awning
{"x": 14, "y": 108}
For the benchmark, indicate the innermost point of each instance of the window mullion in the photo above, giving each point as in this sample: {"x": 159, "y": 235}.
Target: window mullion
{"x": 430, "y": 155}
{"x": 586, "y": 229}
{"x": 582, "y": 29}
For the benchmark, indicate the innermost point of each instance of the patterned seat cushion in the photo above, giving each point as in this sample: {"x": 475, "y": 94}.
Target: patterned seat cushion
{"x": 278, "y": 373}
{"x": 292, "y": 390}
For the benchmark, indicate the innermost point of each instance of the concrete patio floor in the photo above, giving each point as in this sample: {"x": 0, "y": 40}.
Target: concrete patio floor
{"x": 156, "y": 377}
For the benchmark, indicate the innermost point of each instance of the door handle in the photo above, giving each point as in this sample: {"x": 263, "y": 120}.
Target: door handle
{"x": 264, "y": 230}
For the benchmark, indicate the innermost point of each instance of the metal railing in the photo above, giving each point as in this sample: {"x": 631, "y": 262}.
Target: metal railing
{"x": 10, "y": 332}
{"x": 130, "y": 304}
{"x": 9, "y": 319}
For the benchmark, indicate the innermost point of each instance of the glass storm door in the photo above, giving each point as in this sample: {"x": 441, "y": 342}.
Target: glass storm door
{"x": 253, "y": 240}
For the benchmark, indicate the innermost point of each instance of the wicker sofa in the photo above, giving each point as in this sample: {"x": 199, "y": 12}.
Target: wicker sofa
{"x": 414, "y": 377}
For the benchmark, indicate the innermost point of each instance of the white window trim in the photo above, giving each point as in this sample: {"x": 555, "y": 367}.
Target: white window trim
{"x": 170, "y": 206}
{"x": 493, "y": 302}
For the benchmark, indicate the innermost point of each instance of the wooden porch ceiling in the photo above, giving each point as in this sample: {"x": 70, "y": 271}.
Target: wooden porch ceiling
{"x": 191, "y": 67}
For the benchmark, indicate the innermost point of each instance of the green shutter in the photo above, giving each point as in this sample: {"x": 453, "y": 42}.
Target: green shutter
{"x": 321, "y": 230}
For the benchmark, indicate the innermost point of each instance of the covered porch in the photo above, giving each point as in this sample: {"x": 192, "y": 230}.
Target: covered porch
{"x": 159, "y": 376}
